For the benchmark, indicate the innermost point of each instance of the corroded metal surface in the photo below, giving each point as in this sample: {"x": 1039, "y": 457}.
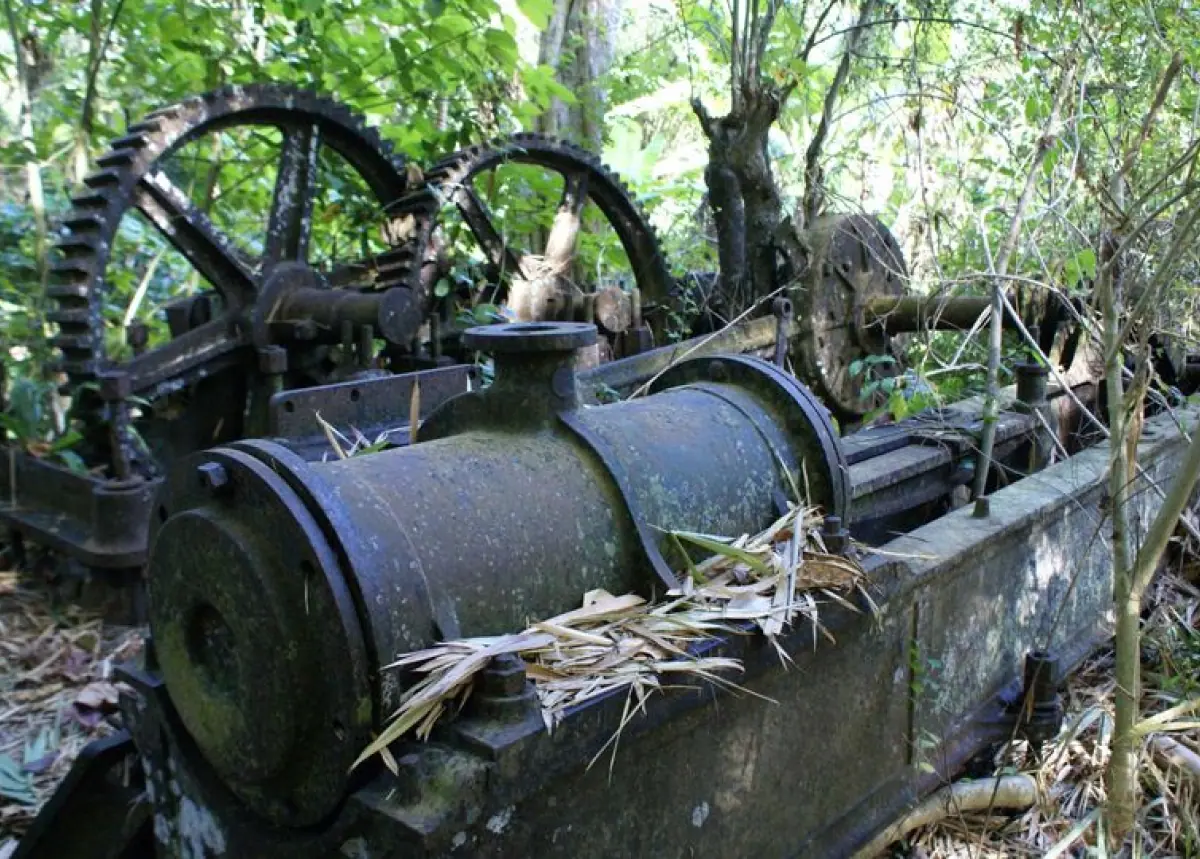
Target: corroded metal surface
{"x": 516, "y": 501}
{"x": 301, "y": 579}
{"x": 854, "y": 258}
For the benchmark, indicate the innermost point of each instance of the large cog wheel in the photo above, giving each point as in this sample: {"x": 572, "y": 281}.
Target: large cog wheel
{"x": 585, "y": 179}
{"x": 131, "y": 177}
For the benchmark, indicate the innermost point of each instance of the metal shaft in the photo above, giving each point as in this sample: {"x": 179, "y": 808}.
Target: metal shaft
{"x": 392, "y": 313}
{"x": 917, "y": 312}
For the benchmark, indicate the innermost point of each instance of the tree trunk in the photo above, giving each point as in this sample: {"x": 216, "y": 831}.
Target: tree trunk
{"x": 742, "y": 192}
{"x": 579, "y": 43}
{"x": 752, "y": 230}
{"x": 33, "y": 171}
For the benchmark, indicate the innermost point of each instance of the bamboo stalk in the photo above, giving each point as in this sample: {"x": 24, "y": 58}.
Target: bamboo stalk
{"x": 1011, "y": 792}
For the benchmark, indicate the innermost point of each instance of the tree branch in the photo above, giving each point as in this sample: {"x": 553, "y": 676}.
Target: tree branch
{"x": 811, "y": 41}
{"x": 813, "y": 181}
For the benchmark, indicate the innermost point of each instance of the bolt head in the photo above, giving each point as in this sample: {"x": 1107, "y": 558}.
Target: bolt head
{"x": 137, "y": 334}
{"x": 213, "y": 476}
{"x": 504, "y": 677}
{"x": 115, "y": 386}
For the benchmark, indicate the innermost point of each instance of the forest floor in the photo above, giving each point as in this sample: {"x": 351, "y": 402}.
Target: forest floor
{"x": 57, "y": 694}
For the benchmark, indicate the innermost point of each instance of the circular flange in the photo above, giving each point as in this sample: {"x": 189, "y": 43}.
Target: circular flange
{"x": 855, "y": 257}
{"x": 804, "y": 416}
{"x": 525, "y": 337}
{"x": 257, "y": 637}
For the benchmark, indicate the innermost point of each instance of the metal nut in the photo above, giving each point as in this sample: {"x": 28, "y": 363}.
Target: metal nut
{"x": 272, "y": 360}
{"x": 115, "y": 386}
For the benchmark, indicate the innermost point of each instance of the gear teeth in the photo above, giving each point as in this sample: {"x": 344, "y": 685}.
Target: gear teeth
{"x": 84, "y": 221}
{"x": 74, "y": 268}
{"x": 605, "y": 187}
{"x": 168, "y": 112}
{"x": 117, "y": 158}
{"x": 67, "y": 291}
{"x": 146, "y": 126}
{"x": 130, "y": 141}
{"x": 73, "y": 342}
{"x": 102, "y": 179}
{"x": 65, "y": 317}
{"x": 91, "y": 200}
{"x": 76, "y": 289}
{"x": 77, "y": 243}
{"x": 80, "y": 367}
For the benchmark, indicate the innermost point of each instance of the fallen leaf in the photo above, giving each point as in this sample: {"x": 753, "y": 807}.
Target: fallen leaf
{"x": 101, "y": 695}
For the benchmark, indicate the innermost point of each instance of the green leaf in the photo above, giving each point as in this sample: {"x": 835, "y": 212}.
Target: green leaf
{"x": 714, "y": 545}
{"x": 67, "y": 440}
{"x": 14, "y": 783}
{"x": 73, "y": 461}
{"x": 1080, "y": 267}
{"x": 537, "y": 11}
{"x": 501, "y": 46}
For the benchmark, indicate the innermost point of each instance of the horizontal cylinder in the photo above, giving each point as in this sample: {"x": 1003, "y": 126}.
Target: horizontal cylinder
{"x": 919, "y": 312}
{"x": 394, "y": 314}
{"x": 278, "y": 596}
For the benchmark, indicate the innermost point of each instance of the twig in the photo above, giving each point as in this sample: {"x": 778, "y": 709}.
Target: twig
{"x": 1172, "y": 753}
{"x": 812, "y": 180}
{"x": 650, "y": 382}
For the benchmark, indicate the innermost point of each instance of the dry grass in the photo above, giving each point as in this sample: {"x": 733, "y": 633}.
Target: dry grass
{"x": 56, "y": 693}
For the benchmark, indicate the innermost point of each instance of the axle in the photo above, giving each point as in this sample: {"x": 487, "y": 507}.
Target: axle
{"x": 919, "y": 312}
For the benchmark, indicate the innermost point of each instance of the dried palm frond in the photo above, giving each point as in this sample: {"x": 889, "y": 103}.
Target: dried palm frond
{"x": 624, "y": 643}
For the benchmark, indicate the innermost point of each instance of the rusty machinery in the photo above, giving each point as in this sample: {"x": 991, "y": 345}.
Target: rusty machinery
{"x": 518, "y": 498}
{"x": 277, "y": 336}
{"x": 279, "y": 587}
{"x": 270, "y": 335}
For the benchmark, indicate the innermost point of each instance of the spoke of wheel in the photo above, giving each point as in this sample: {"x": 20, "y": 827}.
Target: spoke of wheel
{"x": 190, "y": 231}
{"x": 290, "y": 222}
{"x": 560, "y": 245}
{"x": 502, "y": 262}
{"x": 186, "y": 352}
